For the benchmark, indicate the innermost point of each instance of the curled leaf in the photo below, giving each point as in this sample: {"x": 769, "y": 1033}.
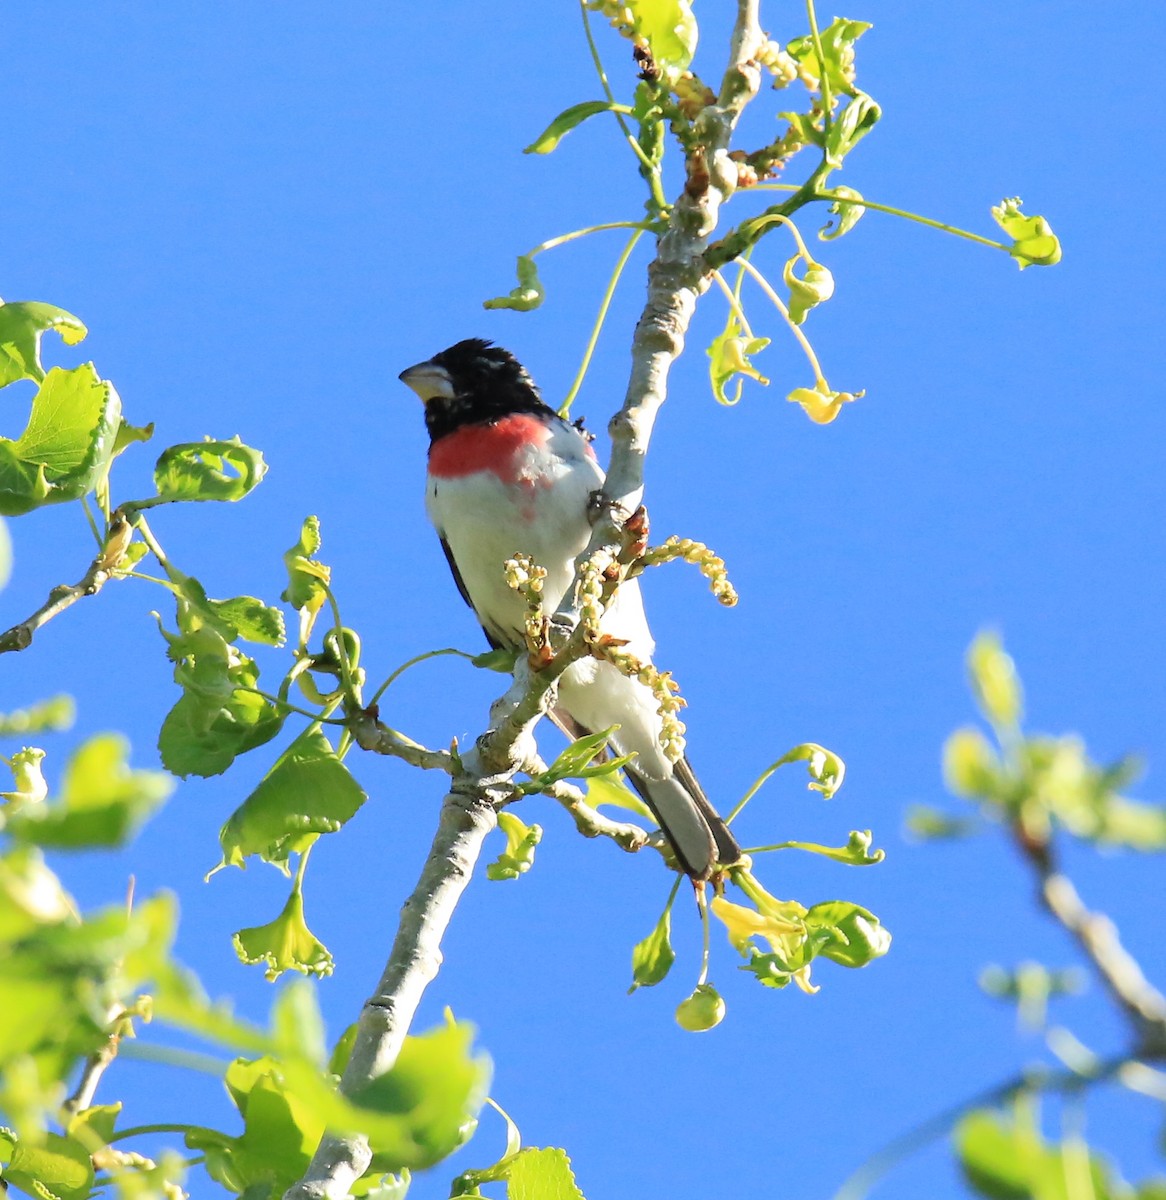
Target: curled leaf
{"x": 22, "y": 324}
{"x": 815, "y": 287}
{"x": 529, "y": 293}
{"x": 820, "y": 404}
{"x": 1033, "y": 240}
{"x": 729, "y": 359}
{"x": 652, "y": 958}
{"x": 208, "y": 470}
{"x": 846, "y": 208}
{"x": 518, "y": 857}
{"x": 569, "y": 119}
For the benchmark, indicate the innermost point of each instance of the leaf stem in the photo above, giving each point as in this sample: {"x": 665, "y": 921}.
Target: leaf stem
{"x": 564, "y": 238}
{"x": 420, "y": 658}
{"x": 653, "y": 177}
{"x": 823, "y": 81}
{"x": 803, "y": 341}
{"x": 203, "y": 1131}
{"x": 605, "y": 304}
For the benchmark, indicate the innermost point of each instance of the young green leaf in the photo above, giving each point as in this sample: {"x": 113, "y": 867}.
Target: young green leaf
{"x": 285, "y": 944}
{"x": 854, "y": 936}
{"x": 845, "y": 207}
{"x": 67, "y": 445}
{"x": 200, "y": 739}
{"x": 670, "y": 30}
{"x": 995, "y": 683}
{"x": 22, "y": 324}
{"x": 849, "y": 127}
{"x": 250, "y": 619}
{"x": 529, "y": 293}
{"x": 821, "y": 404}
{"x": 613, "y": 791}
{"x": 569, "y": 119}
{"x": 501, "y": 661}
{"x": 807, "y": 291}
{"x": 652, "y": 958}
{"x": 1033, "y": 240}
{"x": 307, "y": 579}
{"x": 837, "y": 41}
{"x": 856, "y": 852}
{"x": 518, "y": 857}
{"x": 729, "y": 360}
{"x": 308, "y": 791}
{"x": 208, "y": 470}
{"x": 541, "y": 1174}
{"x": 57, "y": 1168}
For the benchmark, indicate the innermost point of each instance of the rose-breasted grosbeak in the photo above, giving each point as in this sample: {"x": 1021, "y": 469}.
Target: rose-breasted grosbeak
{"x": 508, "y": 475}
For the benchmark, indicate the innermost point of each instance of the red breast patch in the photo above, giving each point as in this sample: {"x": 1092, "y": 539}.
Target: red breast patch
{"x": 493, "y": 447}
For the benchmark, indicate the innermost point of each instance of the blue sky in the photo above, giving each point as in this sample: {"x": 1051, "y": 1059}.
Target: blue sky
{"x": 264, "y": 214}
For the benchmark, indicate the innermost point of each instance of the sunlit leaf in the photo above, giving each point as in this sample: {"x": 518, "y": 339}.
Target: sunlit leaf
{"x": 67, "y": 444}
{"x": 209, "y": 470}
{"x": 518, "y": 857}
{"x": 285, "y": 944}
{"x": 846, "y": 209}
{"x": 995, "y": 683}
{"x": 652, "y": 958}
{"x": 541, "y": 1174}
{"x": 670, "y": 30}
{"x": 55, "y": 714}
{"x": 307, "y": 792}
{"x": 529, "y": 293}
{"x": 570, "y": 119}
{"x": 1033, "y": 240}
{"x": 58, "y": 1168}
{"x": 22, "y": 324}
{"x": 729, "y": 359}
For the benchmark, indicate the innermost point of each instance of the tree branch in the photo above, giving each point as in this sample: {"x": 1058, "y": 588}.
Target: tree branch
{"x": 101, "y": 570}
{"x": 676, "y": 278}
{"x": 1143, "y": 1005}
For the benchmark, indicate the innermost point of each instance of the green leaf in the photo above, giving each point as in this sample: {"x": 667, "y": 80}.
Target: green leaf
{"x": 55, "y": 714}
{"x": 22, "y": 325}
{"x": 59, "y": 1168}
{"x": 995, "y": 683}
{"x": 1007, "y": 1159}
{"x": 297, "y": 1027}
{"x": 29, "y": 788}
{"x": 501, "y": 661}
{"x": 729, "y": 359}
{"x": 837, "y": 41}
{"x": 529, "y": 293}
{"x": 845, "y": 208}
{"x": 569, "y": 119}
{"x": 307, "y": 792}
{"x": 250, "y": 619}
{"x": 102, "y": 802}
{"x": 518, "y": 857}
{"x": 1033, "y": 240}
{"x": 850, "y": 126}
{"x": 613, "y": 791}
{"x": 807, "y": 126}
{"x": 856, "y": 852}
{"x": 307, "y": 579}
{"x": 671, "y": 32}
{"x": 575, "y": 761}
{"x": 191, "y": 743}
{"x": 652, "y": 958}
{"x": 67, "y": 445}
{"x": 541, "y": 1174}
{"x": 815, "y": 287}
{"x": 853, "y": 936}
{"x": 285, "y": 944}
{"x": 435, "y": 1088}
{"x": 208, "y": 470}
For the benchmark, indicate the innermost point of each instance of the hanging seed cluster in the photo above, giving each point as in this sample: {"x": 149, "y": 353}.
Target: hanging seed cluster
{"x": 526, "y": 577}
{"x": 665, "y": 689}
{"x": 712, "y": 567}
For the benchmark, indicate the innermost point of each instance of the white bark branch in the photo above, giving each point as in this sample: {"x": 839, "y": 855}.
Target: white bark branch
{"x": 676, "y": 278}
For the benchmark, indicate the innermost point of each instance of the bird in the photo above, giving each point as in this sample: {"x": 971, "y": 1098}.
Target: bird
{"x": 508, "y": 475}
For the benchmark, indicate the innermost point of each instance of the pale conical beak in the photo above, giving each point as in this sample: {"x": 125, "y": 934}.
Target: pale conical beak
{"x": 429, "y": 381}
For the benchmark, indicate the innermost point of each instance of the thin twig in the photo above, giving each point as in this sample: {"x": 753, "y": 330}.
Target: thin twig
{"x": 1143, "y": 1005}
{"x": 100, "y": 571}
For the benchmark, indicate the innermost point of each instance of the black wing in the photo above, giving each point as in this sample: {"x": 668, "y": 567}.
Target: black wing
{"x": 461, "y": 587}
